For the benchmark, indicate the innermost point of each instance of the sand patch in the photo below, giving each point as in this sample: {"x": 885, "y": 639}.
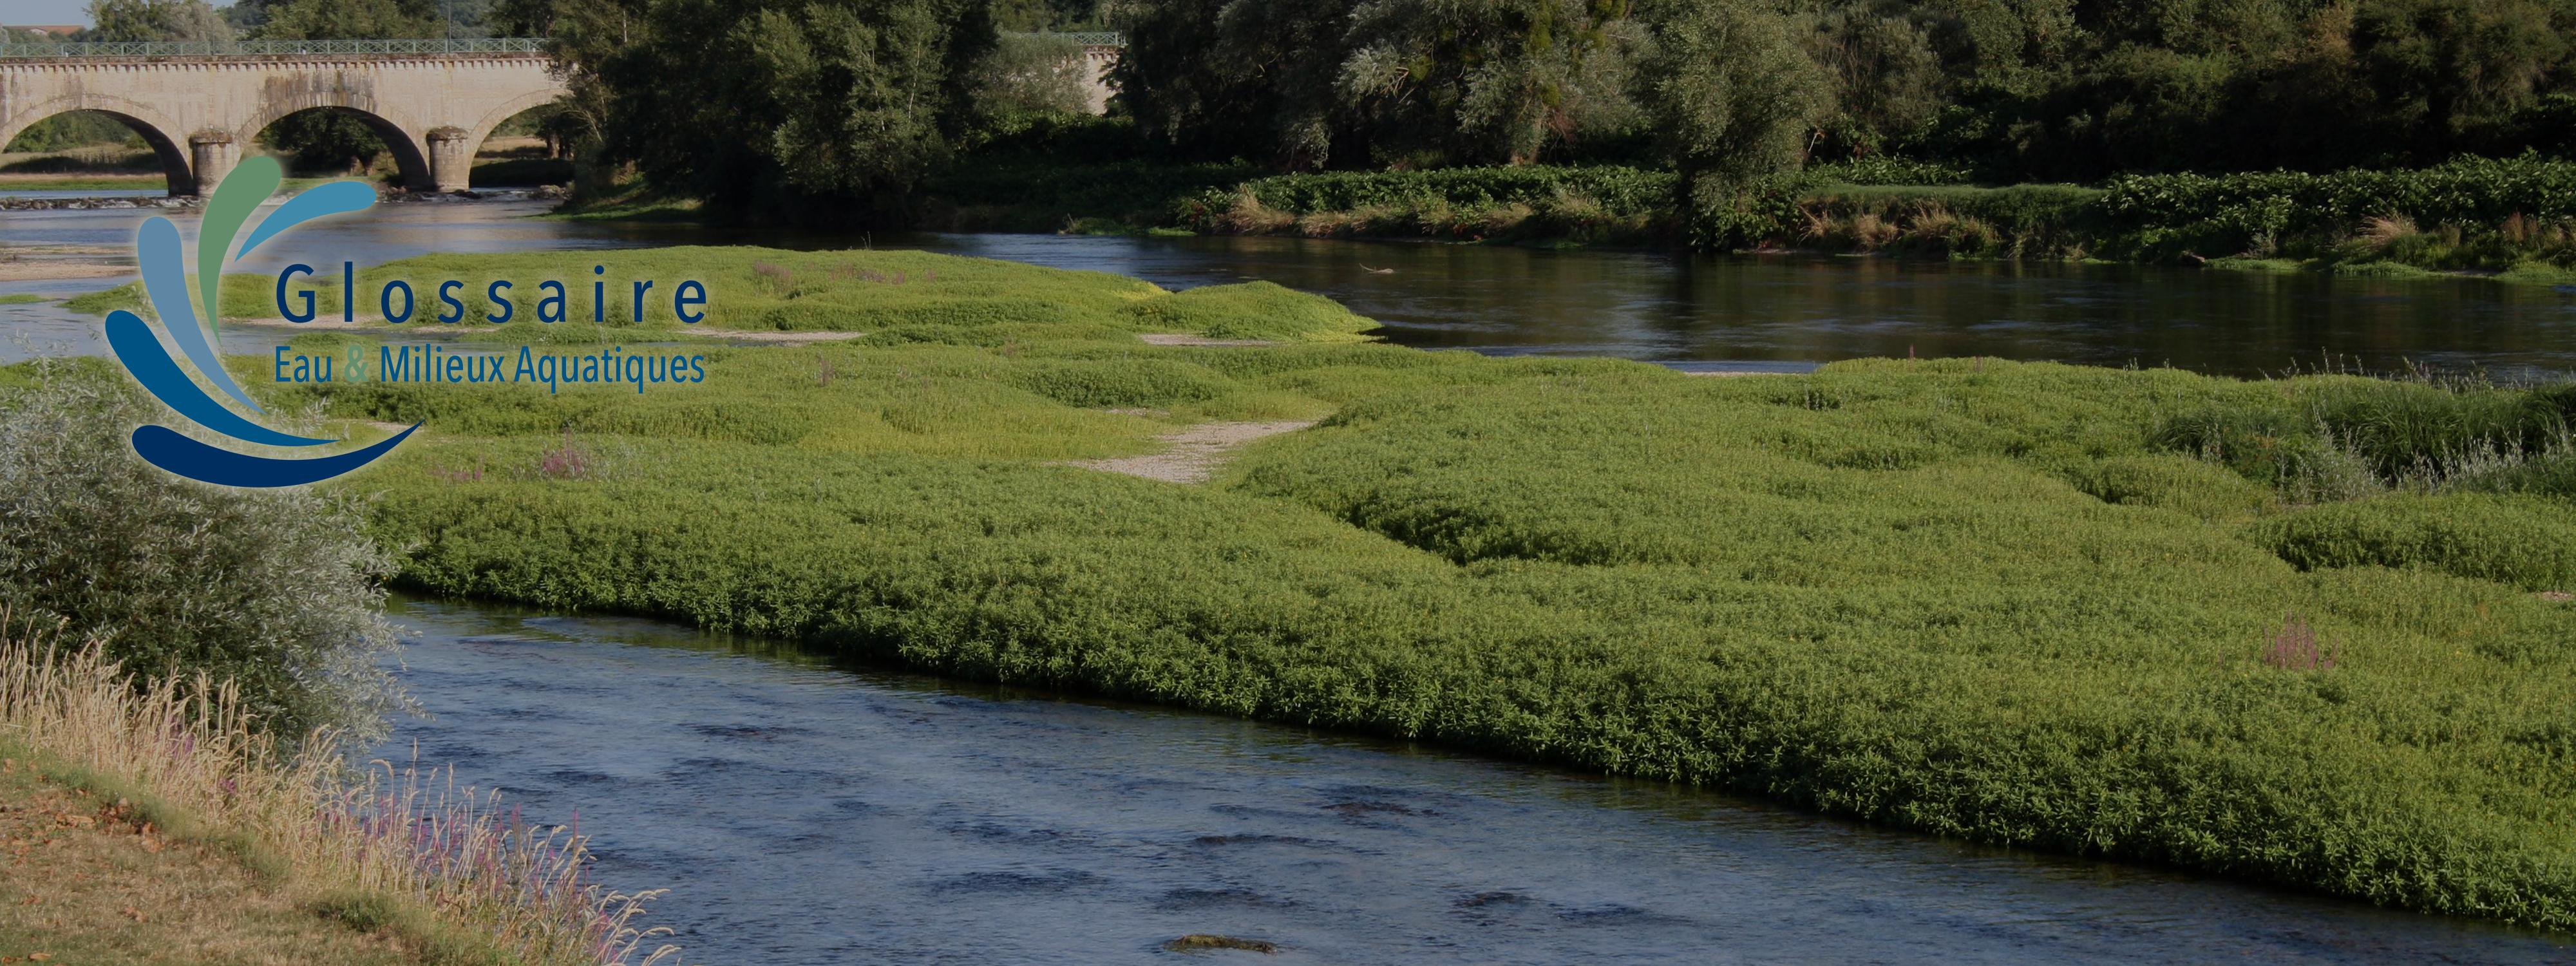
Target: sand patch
{"x": 1194, "y": 452}
{"x": 24, "y": 270}
{"x": 1184, "y": 338}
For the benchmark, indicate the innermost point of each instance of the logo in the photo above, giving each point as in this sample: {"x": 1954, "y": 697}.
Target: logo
{"x": 165, "y": 282}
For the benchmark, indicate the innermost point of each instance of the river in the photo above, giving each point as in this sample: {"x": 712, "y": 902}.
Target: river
{"x": 804, "y": 813}
{"x": 809, "y": 813}
{"x": 1722, "y": 312}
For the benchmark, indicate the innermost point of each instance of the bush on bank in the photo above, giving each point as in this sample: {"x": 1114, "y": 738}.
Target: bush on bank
{"x": 2024, "y": 604}
{"x": 2468, "y": 214}
{"x": 278, "y": 593}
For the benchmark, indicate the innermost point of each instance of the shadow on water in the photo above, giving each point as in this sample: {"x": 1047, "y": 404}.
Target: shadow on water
{"x": 808, "y": 811}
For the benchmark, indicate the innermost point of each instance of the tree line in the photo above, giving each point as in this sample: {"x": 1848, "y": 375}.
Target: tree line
{"x": 2016, "y": 89}
{"x": 771, "y": 104}
{"x": 824, "y": 104}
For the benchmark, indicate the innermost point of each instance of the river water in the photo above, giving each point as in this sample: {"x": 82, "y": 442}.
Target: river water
{"x": 804, "y": 813}
{"x": 1733, "y": 312}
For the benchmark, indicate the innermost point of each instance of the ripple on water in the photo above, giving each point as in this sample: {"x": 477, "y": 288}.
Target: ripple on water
{"x": 802, "y": 822}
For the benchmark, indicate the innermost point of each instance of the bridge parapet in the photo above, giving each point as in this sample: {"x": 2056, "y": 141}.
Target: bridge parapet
{"x": 270, "y": 48}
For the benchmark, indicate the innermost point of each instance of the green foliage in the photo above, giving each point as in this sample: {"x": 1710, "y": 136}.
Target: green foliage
{"x": 72, "y": 129}
{"x": 2023, "y": 91}
{"x": 969, "y": 301}
{"x": 132, "y": 20}
{"x": 791, "y": 111}
{"x": 276, "y": 592}
{"x": 351, "y": 19}
{"x": 2339, "y": 436}
{"x": 1973, "y": 598}
{"x": 1885, "y": 75}
{"x": 1250, "y": 310}
{"x": 1617, "y": 190}
{"x": 1731, "y": 96}
{"x": 1483, "y": 82}
{"x": 2226, "y": 213}
{"x": 1026, "y": 80}
{"x": 1039, "y": 192}
{"x": 2525, "y": 542}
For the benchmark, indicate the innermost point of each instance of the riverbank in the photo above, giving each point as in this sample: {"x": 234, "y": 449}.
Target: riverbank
{"x": 2510, "y": 220}
{"x": 93, "y": 880}
{"x": 151, "y": 823}
{"x": 2298, "y": 631}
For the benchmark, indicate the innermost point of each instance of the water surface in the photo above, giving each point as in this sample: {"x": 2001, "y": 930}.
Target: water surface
{"x": 804, "y": 813}
{"x": 1744, "y": 312}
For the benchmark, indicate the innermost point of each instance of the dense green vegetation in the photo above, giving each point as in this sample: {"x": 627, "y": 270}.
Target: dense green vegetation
{"x": 2030, "y": 604}
{"x": 2047, "y": 90}
{"x": 1723, "y": 93}
{"x": 894, "y": 296}
{"x": 2472, "y": 214}
{"x": 276, "y": 592}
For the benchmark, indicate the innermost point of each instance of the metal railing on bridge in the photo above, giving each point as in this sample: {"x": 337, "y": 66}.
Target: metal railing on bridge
{"x": 271, "y": 48}
{"x": 1093, "y": 38}
{"x": 292, "y": 48}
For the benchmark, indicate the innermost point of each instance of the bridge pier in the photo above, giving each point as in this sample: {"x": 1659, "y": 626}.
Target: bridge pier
{"x": 211, "y": 156}
{"x": 451, "y": 159}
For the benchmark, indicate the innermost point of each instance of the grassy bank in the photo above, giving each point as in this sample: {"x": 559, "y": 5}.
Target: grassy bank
{"x": 2307, "y": 632}
{"x": 2512, "y": 219}
{"x": 152, "y": 823}
{"x": 894, "y": 296}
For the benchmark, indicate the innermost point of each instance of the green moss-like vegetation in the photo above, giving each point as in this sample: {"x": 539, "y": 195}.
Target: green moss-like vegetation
{"x": 21, "y": 298}
{"x": 2025, "y": 604}
{"x": 905, "y": 296}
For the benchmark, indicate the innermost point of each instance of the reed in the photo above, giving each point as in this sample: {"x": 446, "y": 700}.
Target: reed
{"x": 396, "y": 847}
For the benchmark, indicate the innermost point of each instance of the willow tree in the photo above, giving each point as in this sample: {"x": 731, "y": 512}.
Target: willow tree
{"x": 812, "y": 110}
{"x": 1734, "y": 99}
{"x": 1487, "y": 81}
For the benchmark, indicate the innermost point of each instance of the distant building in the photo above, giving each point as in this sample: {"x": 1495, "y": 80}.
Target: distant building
{"x": 57, "y": 31}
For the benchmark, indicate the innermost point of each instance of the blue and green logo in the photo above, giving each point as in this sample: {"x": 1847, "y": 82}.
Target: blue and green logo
{"x": 165, "y": 282}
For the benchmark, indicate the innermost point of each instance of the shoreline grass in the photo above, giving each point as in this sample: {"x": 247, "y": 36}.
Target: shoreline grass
{"x": 398, "y": 853}
{"x": 2499, "y": 219}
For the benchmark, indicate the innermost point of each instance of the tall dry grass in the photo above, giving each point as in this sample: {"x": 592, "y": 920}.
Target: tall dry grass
{"x": 400, "y": 847}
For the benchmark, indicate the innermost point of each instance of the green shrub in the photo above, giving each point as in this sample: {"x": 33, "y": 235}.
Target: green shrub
{"x": 275, "y": 591}
{"x": 1250, "y": 310}
{"x": 1126, "y": 383}
{"x": 2522, "y": 541}
{"x": 2174, "y": 482}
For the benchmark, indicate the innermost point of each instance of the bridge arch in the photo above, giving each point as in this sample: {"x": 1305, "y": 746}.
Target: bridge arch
{"x": 492, "y": 119}
{"x": 430, "y": 101}
{"x": 169, "y": 141}
{"x": 410, "y": 160}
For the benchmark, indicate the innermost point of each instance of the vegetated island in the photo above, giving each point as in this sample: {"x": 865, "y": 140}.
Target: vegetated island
{"x": 2312, "y": 631}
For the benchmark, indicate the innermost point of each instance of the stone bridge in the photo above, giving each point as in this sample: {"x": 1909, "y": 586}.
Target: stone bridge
{"x": 198, "y": 105}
